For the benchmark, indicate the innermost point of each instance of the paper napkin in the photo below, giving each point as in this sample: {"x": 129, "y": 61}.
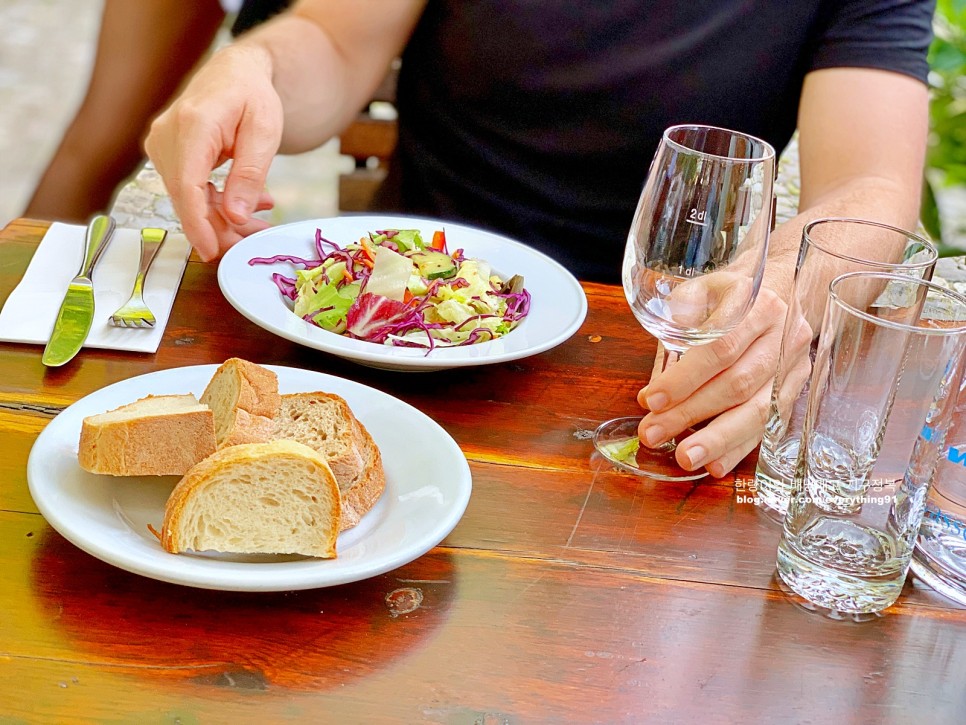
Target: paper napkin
{"x": 31, "y": 309}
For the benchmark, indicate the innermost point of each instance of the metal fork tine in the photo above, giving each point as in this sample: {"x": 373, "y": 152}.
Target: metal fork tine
{"x": 134, "y": 313}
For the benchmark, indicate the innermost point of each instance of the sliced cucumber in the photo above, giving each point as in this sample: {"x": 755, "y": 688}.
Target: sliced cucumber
{"x": 434, "y": 265}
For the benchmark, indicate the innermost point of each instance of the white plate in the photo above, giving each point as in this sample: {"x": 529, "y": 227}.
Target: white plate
{"x": 427, "y": 488}
{"x": 557, "y": 302}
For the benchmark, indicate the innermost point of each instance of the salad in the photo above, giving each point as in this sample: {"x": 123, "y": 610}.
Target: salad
{"x": 392, "y": 288}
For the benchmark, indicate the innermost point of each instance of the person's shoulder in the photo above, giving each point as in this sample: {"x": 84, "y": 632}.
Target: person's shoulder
{"x": 880, "y": 34}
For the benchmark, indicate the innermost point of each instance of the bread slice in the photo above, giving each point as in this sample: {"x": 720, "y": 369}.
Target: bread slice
{"x": 322, "y": 421}
{"x": 244, "y": 398}
{"x": 362, "y": 492}
{"x": 160, "y": 435}
{"x": 325, "y": 422}
{"x": 256, "y": 498}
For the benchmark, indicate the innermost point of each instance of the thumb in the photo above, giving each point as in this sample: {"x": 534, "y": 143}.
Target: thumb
{"x": 255, "y": 146}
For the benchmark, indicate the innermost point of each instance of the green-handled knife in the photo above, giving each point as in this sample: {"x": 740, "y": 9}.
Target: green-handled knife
{"x": 77, "y": 310}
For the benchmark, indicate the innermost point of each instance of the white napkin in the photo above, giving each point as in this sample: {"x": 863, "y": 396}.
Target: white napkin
{"x": 31, "y": 309}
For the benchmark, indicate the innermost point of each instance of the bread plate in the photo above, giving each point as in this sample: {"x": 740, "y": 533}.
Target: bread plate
{"x": 557, "y": 301}
{"x": 427, "y": 489}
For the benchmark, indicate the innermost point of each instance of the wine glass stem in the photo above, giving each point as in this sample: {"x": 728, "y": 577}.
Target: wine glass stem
{"x": 668, "y": 356}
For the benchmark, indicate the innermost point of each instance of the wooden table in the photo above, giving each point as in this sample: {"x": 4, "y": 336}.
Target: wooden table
{"x": 568, "y": 592}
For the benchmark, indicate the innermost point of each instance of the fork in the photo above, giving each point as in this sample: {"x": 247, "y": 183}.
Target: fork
{"x": 134, "y": 313}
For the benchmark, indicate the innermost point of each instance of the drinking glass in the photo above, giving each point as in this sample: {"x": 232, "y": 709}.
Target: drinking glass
{"x": 939, "y": 558}
{"x": 872, "y": 247}
{"x": 694, "y": 259}
{"x": 879, "y": 406}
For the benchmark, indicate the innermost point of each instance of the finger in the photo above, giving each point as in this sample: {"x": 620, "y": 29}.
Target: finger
{"x": 661, "y": 361}
{"x": 703, "y": 362}
{"x": 725, "y": 440}
{"x": 265, "y": 201}
{"x": 256, "y": 142}
{"x": 196, "y": 221}
{"x": 184, "y": 160}
{"x": 736, "y": 385}
{"x": 227, "y": 232}
{"x": 724, "y": 465}
{"x": 729, "y": 303}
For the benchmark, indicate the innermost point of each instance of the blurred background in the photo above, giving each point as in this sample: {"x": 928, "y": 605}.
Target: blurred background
{"x": 944, "y": 200}
{"x": 45, "y": 61}
{"x": 48, "y": 50}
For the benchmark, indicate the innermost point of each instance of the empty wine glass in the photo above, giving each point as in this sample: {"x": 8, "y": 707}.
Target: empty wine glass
{"x": 694, "y": 260}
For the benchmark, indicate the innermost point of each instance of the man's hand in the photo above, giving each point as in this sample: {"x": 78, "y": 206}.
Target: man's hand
{"x": 862, "y": 143}
{"x": 229, "y": 110}
{"x": 730, "y": 378}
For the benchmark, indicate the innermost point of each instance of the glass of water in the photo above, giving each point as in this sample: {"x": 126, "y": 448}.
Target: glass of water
{"x": 694, "y": 259}
{"x": 830, "y": 247}
{"x": 939, "y": 558}
{"x": 889, "y": 359}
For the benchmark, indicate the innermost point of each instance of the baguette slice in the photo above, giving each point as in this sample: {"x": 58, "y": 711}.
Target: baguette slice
{"x": 324, "y": 422}
{"x": 256, "y": 498}
{"x": 160, "y": 435}
{"x": 244, "y": 398}
{"x": 363, "y": 491}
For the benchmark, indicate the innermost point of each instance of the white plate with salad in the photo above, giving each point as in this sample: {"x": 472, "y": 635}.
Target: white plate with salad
{"x": 401, "y": 292}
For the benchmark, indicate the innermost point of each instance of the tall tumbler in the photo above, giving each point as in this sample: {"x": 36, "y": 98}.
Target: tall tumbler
{"x": 939, "y": 558}
{"x": 880, "y": 402}
{"x": 872, "y": 247}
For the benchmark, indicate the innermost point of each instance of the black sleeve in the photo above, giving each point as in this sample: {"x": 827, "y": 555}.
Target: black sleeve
{"x": 253, "y": 12}
{"x": 889, "y": 35}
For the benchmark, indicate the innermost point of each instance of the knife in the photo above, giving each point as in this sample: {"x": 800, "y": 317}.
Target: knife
{"x": 77, "y": 310}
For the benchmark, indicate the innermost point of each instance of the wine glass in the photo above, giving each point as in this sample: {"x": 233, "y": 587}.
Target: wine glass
{"x": 694, "y": 259}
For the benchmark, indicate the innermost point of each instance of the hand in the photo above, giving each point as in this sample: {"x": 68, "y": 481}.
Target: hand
{"x": 729, "y": 380}
{"x": 229, "y": 110}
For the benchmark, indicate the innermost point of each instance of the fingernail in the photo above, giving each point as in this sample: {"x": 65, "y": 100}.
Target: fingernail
{"x": 696, "y": 456}
{"x": 654, "y": 435}
{"x": 656, "y": 402}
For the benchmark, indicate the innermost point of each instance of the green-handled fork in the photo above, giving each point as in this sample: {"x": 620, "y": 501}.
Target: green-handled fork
{"x": 134, "y": 313}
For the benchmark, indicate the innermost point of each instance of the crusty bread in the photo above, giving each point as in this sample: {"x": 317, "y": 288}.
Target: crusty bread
{"x": 361, "y": 494}
{"x": 160, "y": 435}
{"x": 269, "y": 498}
{"x": 244, "y": 399}
{"x": 322, "y": 421}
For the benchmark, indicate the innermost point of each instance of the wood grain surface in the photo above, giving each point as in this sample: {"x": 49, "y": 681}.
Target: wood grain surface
{"x": 568, "y": 592}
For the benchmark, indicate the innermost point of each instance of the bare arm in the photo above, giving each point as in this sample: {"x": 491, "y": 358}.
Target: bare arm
{"x": 288, "y": 85}
{"x": 862, "y": 143}
{"x": 327, "y": 59}
{"x": 135, "y": 74}
{"x": 862, "y": 136}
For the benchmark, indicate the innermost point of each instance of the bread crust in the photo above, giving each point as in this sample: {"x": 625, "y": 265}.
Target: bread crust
{"x": 224, "y": 464}
{"x": 358, "y": 469}
{"x": 299, "y": 411}
{"x": 249, "y": 417}
{"x": 158, "y": 444}
{"x": 362, "y": 495}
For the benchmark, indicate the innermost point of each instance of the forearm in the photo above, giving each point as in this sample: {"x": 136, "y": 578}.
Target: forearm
{"x": 875, "y": 198}
{"x": 862, "y": 144}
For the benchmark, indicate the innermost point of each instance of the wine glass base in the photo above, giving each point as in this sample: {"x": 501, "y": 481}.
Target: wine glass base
{"x": 617, "y": 441}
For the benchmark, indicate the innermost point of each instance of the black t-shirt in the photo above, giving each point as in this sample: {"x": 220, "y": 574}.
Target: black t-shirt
{"x": 255, "y": 12}
{"x": 539, "y": 118}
